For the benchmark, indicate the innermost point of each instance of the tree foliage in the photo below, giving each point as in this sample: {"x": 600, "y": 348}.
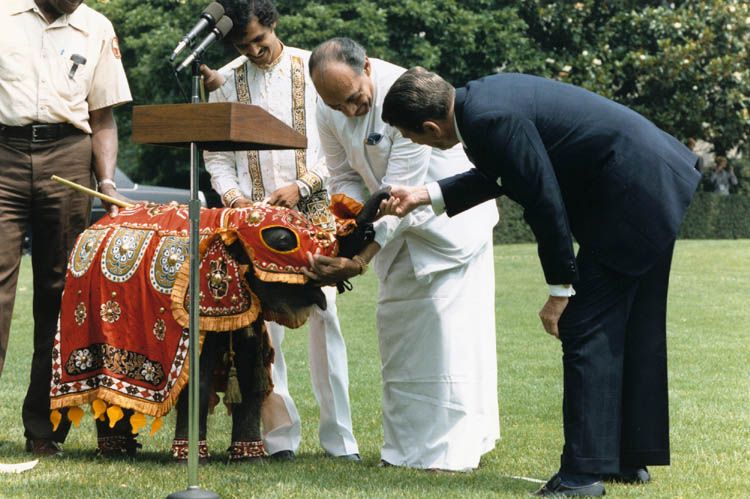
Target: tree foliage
{"x": 682, "y": 64}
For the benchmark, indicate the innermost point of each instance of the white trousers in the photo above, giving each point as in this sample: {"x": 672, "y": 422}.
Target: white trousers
{"x": 330, "y": 381}
{"x": 439, "y": 364}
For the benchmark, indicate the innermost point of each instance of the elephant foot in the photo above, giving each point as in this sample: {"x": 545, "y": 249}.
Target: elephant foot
{"x": 252, "y": 451}
{"x": 179, "y": 450}
{"x": 114, "y": 446}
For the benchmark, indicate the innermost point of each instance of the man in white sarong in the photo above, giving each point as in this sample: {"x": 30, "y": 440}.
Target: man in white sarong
{"x": 275, "y": 78}
{"x": 435, "y": 316}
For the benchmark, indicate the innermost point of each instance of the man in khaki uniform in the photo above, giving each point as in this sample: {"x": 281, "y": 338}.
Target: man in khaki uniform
{"x": 60, "y": 77}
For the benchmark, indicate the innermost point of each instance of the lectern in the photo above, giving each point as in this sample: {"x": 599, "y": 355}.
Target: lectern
{"x": 215, "y": 127}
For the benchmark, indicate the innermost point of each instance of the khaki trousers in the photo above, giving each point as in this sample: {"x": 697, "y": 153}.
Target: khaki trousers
{"x": 56, "y": 215}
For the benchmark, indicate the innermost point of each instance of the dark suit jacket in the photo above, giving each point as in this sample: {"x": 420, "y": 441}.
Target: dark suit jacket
{"x": 580, "y": 165}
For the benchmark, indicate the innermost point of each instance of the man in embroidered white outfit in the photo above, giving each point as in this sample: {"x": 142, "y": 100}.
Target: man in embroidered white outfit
{"x": 435, "y": 315}
{"x": 275, "y": 78}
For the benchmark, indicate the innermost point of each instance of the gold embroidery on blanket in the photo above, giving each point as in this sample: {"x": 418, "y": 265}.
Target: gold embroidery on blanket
{"x": 168, "y": 258}
{"x": 124, "y": 252}
{"x": 85, "y": 249}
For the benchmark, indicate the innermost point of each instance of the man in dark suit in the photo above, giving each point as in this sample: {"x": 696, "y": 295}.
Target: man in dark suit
{"x": 586, "y": 167}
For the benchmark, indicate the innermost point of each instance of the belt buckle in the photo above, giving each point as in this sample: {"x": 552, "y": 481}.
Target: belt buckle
{"x": 34, "y": 136}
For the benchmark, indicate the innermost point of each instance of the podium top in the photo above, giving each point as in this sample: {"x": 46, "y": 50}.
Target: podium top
{"x": 216, "y": 126}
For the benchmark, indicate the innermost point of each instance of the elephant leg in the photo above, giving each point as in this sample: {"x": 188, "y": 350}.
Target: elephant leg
{"x": 118, "y": 440}
{"x": 253, "y": 377}
{"x": 180, "y": 443}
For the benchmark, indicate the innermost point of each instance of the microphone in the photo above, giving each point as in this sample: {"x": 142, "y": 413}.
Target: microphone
{"x": 209, "y": 16}
{"x": 217, "y": 33}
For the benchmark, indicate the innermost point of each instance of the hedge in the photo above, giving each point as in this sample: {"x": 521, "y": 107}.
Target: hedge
{"x": 710, "y": 216}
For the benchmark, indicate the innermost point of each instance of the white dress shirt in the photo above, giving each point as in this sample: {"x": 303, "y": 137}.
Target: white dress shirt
{"x": 271, "y": 89}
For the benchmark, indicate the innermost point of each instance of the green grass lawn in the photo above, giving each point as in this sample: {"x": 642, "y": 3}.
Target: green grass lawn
{"x": 709, "y": 333}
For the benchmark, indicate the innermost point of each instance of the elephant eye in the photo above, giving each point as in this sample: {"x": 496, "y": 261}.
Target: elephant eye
{"x": 280, "y": 239}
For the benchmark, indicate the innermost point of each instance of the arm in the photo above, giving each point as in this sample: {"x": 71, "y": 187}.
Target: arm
{"x": 223, "y": 169}
{"x": 529, "y": 179}
{"x": 408, "y": 165}
{"x": 104, "y": 152}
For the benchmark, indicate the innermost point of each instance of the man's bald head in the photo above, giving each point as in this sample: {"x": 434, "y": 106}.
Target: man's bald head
{"x": 338, "y": 50}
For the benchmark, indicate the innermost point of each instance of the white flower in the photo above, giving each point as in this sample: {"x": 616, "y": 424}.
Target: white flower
{"x": 422, "y": 34}
{"x": 82, "y": 359}
{"x": 686, "y": 61}
{"x": 705, "y": 125}
{"x": 549, "y": 60}
{"x": 677, "y": 25}
{"x": 747, "y": 21}
{"x": 567, "y": 68}
{"x": 642, "y": 57}
{"x": 585, "y": 53}
{"x": 737, "y": 75}
{"x": 731, "y": 8}
{"x": 695, "y": 87}
{"x": 597, "y": 61}
{"x": 729, "y": 27}
{"x": 148, "y": 371}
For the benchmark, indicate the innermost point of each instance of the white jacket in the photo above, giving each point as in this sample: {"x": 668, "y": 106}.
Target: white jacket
{"x": 435, "y": 242}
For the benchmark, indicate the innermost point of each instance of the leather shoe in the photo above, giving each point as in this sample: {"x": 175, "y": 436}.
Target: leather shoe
{"x": 43, "y": 447}
{"x": 347, "y": 457}
{"x": 630, "y": 476}
{"x": 556, "y": 487}
{"x": 282, "y": 455}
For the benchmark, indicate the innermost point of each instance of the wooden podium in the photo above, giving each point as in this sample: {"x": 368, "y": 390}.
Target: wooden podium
{"x": 218, "y": 126}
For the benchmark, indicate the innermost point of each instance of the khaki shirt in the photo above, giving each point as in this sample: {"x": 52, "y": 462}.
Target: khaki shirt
{"x": 35, "y": 66}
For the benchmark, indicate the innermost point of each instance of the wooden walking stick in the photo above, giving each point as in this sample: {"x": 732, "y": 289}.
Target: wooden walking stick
{"x": 91, "y": 192}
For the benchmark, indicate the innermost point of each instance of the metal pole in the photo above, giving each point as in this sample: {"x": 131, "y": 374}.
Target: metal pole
{"x": 194, "y": 212}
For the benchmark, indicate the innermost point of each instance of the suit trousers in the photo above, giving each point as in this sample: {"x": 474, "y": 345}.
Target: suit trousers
{"x": 615, "y": 401}
{"x": 56, "y": 215}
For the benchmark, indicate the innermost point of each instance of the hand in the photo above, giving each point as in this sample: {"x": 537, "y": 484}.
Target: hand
{"x": 551, "y": 312}
{"x": 110, "y": 191}
{"x": 326, "y": 270}
{"x": 242, "y": 203}
{"x": 404, "y": 199}
{"x": 287, "y": 196}
{"x": 211, "y": 78}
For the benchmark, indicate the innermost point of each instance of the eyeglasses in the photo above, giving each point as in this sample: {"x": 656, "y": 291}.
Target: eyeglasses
{"x": 373, "y": 139}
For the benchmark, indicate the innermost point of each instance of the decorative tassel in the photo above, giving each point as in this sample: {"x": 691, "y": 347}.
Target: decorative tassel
{"x": 74, "y": 415}
{"x": 137, "y": 421}
{"x": 55, "y": 417}
{"x": 99, "y": 407}
{"x": 155, "y": 425}
{"x": 233, "y": 394}
{"x": 114, "y": 413}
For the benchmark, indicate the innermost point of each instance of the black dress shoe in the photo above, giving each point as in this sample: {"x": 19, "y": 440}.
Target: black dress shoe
{"x": 630, "y": 475}
{"x": 282, "y": 455}
{"x": 347, "y": 457}
{"x": 43, "y": 447}
{"x": 556, "y": 487}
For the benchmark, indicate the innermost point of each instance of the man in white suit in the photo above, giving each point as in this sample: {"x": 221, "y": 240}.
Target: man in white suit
{"x": 275, "y": 77}
{"x": 435, "y": 314}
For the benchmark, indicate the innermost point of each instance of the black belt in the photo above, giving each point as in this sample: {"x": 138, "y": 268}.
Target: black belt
{"x": 40, "y": 132}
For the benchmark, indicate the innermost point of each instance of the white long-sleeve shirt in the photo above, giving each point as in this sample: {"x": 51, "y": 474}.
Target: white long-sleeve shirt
{"x": 271, "y": 89}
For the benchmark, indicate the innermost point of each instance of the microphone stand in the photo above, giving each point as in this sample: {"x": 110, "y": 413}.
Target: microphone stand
{"x": 194, "y": 211}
